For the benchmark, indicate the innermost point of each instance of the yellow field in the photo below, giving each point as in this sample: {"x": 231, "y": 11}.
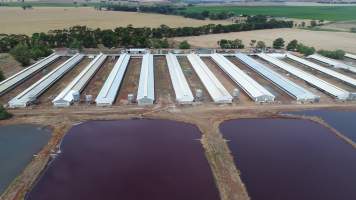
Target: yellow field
{"x": 42, "y": 19}
{"x": 317, "y": 39}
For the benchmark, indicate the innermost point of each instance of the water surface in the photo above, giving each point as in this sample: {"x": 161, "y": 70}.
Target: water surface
{"x": 18, "y": 144}
{"x": 343, "y": 121}
{"x": 289, "y": 159}
{"x": 129, "y": 159}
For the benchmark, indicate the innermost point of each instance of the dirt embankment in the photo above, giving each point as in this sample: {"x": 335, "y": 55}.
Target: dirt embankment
{"x": 206, "y": 117}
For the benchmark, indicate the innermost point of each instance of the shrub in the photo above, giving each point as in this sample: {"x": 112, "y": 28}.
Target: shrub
{"x": 278, "y": 43}
{"x": 301, "y": 48}
{"x": 260, "y": 45}
{"x": 184, "y": 45}
{"x": 22, "y": 54}
{"x": 337, "y": 54}
{"x": 231, "y": 44}
{"x": 4, "y": 114}
{"x": 2, "y": 76}
{"x": 292, "y": 45}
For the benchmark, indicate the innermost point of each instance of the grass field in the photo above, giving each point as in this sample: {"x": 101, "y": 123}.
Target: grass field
{"x": 41, "y": 19}
{"x": 330, "y": 13}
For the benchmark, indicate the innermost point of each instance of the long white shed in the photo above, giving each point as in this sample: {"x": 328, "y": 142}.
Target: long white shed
{"x": 331, "y": 89}
{"x": 349, "y": 55}
{"x": 216, "y": 90}
{"x": 297, "y": 92}
{"x": 26, "y": 73}
{"x": 324, "y": 70}
{"x": 108, "y": 92}
{"x": 146, "y": 88}
{"x": 66, "y": 97}
{"x": 332, "y": 62}
{"x": 180, "y": 85}
{"x": 255, "y": 91}
{"x": 30, "y": 94}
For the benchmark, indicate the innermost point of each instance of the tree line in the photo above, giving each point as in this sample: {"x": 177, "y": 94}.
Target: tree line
{"x": 167, "y": 10}
{"x": 145, "y": 37}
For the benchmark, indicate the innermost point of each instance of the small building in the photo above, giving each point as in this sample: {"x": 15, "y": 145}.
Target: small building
{"x": 137, "y": 51}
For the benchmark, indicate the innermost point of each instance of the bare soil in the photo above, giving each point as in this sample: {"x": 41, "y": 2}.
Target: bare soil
{"x": 323, "y": 96}
{"x": 322, "y": 76}
{"x": 46, "y": 98}
{"x": 280, "y": 95}
{"x": 27, "y": 83}
{"x": 96, "y": 83}
{"x": 192, "y": 78}
{"x": 130, "y": 82}
{"x": 164, "y": 93}
{"x": 8, "y": 65}
{"x": 225, "y": 80}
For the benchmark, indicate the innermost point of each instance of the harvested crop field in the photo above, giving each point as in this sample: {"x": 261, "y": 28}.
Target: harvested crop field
{"x": 41, "y": 19}
{"x": 317, "y": 39}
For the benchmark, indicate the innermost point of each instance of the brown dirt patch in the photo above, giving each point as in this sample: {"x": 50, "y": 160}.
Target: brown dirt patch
{"x": 192, "y": 78}
{"x": 96, "y": 83}
{"x": 163, "y": 86}
{"x": 130, "y": 82}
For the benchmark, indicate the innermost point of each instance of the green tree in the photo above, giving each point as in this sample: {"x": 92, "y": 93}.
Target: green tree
{"x": 184, "y": 45}
{"x": 76, "y": 44}
{"x": 40, "y": 51}
{"x": 278, "y": 43}
{"x": 292, "y": 45}
{"x": 260, "y": 45}
{"x": 22, "y": 54}
{"x": 4, "y": 114}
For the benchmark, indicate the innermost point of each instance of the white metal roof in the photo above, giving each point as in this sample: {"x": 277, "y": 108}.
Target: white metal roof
{"x": 146, "y": 87}
{"x": 250, "y": 86}
{"x": 325, "y": 70}
{"x": 216, "y": 90}
{"x": 65, "y": 98}
{"x": 311, "y": 79}
{"x": 349, "y": 55}
{"x": 179, "y": 82}
{"x": 35, "y": 90}
{"x": 294, "y": 90}
{"x": 112, "y": 84}
{"x": 332, "y": 62}
{"x": 26, "y": 73}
